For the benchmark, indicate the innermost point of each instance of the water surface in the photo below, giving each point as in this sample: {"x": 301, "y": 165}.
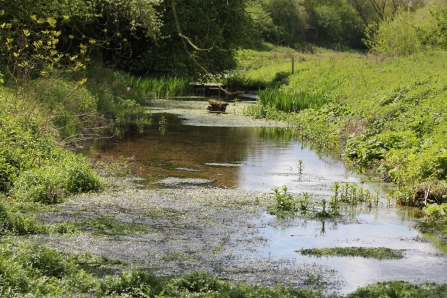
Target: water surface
{"x": 180, "y": 156}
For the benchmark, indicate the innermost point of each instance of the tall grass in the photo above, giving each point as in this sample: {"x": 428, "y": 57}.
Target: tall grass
{"x": 292, "y": 100}
{"x": 158, "y": 87}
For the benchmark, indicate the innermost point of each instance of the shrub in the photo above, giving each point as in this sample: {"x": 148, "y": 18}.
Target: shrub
{"x": 16, "y": 223}
{"x": 49, "y": 184}
{"x": 397, "y": 36}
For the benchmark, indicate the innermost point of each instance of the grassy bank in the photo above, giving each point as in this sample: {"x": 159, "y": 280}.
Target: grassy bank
{"x": 383, "y": 114}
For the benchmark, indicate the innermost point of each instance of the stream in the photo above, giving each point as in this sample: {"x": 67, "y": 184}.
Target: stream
{"x": 182, "y": 155}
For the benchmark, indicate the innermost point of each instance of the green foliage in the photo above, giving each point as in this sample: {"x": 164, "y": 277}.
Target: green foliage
{"x": 202, "y": 285}
{"x": 72, "y": 107}
{"x": 430, "y": 25}
{"x": 32, "y": 165}
{"x": 31, "y": 269}
{"x": 434, "y": 221}
{"x": 211, "y": 33}
{"x": 436, "y": 212}
{"x": 400, "y": 289}
{"x": 165, "y": 87}
{"x": 388, "y": 115}
{"x": 335, "y": 21}
{"x": 196, "y": 283}
{"x": 130, "y": 112}
{"x": 394, "y": 37}
{"x": 50, "y": 183}
{"x": 136, "y": 283}
{"x": 15, "y": 223}
{"x": 366, "y": 149}
{"x": 288, "y": 19}
{"x": 379, "y": 253}
{"x": 284, "y": 201}
{"x": 291, "y": 99}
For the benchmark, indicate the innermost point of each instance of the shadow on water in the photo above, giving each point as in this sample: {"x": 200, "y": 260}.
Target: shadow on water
{"x": 181, "y": 156}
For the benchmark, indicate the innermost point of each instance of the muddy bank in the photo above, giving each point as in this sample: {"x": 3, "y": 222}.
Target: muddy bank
{"x": 212, "y": 230}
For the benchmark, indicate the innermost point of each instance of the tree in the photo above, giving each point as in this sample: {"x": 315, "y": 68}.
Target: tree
{"x": 335, "y": 21}
{"x": 375, "y": 11}
{"x": 197, "y": 36}
{"x": 105, "y": 27}
{"x": 288, "y": 18}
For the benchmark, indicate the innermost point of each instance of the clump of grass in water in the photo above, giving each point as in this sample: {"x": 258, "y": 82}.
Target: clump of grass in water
{"x": 284, "y": 201}
{"x": 287, "y": 204}
{"x": 379, "y": 253}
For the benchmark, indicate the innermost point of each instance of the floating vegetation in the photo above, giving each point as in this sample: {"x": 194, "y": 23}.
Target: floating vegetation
{"x": 214, "y": 164}
{"x": 109, "y": 226}
{"x": 187, "y": 169}
{"x": 174, "y": 181}
{"x": 379, "y": 253}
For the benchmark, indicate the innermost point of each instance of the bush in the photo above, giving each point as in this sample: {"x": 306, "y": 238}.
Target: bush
{"x": 395, "y": 37}
{"x": 51, "y": 183}
{"x": 16, "y": 223}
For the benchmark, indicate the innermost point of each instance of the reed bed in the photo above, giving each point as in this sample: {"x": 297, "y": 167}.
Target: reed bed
{"x": 164, "y": 87}
{"x": 293, "y": 100}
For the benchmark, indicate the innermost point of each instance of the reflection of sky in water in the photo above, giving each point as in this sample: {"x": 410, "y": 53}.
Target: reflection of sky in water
{"x": 380, "y": 228}
{"x": 271, "y": 166}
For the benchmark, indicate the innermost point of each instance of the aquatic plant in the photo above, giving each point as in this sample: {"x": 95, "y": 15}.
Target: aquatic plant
{"x": 379, "y": 253}
{"x": 400, "y": 289}
{"x": 300, "y": 167}
{"x": 292, "y": 100}
{"x": 163, "y": 87}
{"x": 284, "y": 201}
{"x": 304, "y": 202}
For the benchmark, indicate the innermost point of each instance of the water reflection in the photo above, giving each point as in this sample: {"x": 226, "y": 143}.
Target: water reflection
{"x": 259, "y": 158}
